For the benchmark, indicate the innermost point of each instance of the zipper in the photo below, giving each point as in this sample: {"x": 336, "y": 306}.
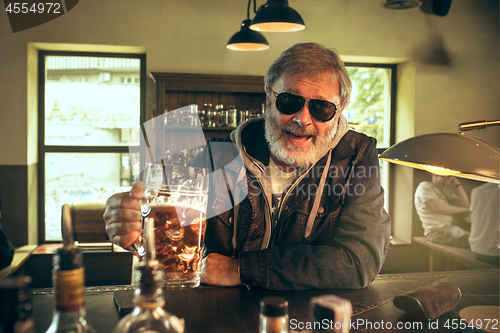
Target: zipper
{"x": 267, "y": 210}
{"x": 285, "y": 197}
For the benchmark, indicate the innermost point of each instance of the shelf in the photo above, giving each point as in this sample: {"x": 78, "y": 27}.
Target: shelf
{"x": 180, "y": 128}
{"x": 174, "y": 90}
{"x": 218, "y": 128}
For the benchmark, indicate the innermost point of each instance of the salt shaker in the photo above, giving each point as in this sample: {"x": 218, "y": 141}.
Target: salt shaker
{"x": 330, "y": 313}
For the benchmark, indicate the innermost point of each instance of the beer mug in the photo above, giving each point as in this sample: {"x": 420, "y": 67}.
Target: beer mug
{"x": 175, "y": 202}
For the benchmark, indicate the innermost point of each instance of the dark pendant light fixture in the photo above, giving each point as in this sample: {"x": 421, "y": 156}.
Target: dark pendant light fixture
{"x": 246, "y": 39}
{"x": 277, "y": 16}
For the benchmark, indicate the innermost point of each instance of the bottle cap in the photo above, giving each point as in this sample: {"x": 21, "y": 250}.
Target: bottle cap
{"x": 332, "y": 308}
{"x": 67, "y": 260}
{"x": 149, "y": 277}
{"x": 274, "y": 306}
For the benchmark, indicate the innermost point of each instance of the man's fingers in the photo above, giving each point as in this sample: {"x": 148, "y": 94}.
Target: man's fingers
{"x": 123, "y": 200}
{"x": 122, "y": 215}
{"x": 137, "y": 190}
{"x": 123, "y": 228}
{"x": 126, "y": 240}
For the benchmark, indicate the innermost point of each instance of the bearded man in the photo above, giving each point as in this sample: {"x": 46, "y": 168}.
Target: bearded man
{"x": 313, "y": 213}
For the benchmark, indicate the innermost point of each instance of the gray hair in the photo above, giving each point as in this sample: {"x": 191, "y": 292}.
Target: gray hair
{"x": 310, "y": 59}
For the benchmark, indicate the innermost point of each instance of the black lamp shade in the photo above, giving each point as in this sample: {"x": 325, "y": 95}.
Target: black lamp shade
{"x": 247, "y": 40}
{"x": 277, "y": 16}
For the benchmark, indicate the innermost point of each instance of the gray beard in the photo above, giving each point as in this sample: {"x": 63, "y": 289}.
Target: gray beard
{"x": 296, "y": 156}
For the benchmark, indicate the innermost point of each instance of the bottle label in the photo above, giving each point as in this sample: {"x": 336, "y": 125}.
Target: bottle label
{"x": 69, "y": 287}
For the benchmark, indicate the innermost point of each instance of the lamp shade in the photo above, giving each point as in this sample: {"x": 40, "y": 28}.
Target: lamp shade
{"x": 247, "y": 40}
{"x": 448, "y": 154}
{"x": 277, "y": 16}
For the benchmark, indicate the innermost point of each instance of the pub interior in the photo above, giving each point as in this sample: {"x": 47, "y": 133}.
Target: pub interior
{"x": 446, "y": 71}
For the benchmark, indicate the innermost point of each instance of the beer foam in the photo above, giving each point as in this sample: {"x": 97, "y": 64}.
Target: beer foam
{"x": 177, "y": 205}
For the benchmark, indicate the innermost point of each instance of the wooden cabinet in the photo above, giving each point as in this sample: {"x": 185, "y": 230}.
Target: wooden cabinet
{"x": 174, "y": 90}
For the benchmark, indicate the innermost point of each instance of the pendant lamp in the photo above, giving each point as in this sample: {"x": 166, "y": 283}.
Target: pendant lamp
{"x": 247, "y": 40}
{"x": 277, "y": 16}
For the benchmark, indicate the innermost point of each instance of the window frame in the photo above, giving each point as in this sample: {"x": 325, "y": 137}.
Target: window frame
{"x": 43, "y": 148}
{"x": 389, "y": 189}
{"x": 393, "y": 83}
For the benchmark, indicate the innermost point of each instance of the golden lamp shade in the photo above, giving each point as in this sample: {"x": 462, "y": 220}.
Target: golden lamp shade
{"x": 448, "y": 154}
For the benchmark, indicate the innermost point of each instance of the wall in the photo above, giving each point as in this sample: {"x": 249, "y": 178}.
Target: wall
{"x": 453, "y": 63}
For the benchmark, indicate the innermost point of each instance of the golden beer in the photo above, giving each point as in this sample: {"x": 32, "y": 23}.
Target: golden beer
{"x": 179, "y": 230}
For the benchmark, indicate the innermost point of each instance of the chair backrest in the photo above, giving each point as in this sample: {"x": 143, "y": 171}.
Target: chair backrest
{"x": 88, "y": 223}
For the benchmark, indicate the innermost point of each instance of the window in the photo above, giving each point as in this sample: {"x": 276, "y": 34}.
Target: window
{"x": 371, "y": 109}
{"x": 89, "y": 104}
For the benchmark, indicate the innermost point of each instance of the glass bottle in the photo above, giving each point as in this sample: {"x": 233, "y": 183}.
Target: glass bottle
{"x": 233, "y": 117}
{"x": 16, "y": 315}
{"x": 148, "y": 315}
{"x": 68, "y": 280}
{"x": 273, "y": 316}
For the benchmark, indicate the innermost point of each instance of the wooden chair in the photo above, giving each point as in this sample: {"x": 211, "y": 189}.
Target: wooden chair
{"x": 88, "y": 224}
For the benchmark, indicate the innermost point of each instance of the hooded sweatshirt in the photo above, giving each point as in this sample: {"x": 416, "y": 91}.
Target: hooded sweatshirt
{"x": 330, "y": 229}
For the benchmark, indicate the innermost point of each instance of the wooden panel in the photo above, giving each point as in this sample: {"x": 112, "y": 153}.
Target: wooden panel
{"x": 209, "y": 82}
{"x": 160, "y": 97}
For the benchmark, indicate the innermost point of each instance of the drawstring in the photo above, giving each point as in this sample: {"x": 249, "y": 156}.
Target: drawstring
{"x": 236, "y": 206}
{"x": 317, "y": 199}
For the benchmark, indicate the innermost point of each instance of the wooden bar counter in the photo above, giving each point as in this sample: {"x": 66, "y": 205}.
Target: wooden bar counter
{"x": 214, "y": 309}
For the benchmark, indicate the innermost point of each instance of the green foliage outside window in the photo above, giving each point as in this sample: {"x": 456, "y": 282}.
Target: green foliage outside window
{"x": 367, "y": 109}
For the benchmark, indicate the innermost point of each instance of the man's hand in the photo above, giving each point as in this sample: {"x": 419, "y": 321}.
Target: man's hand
{"x": 123, "y": 216}
{"x": 220, "y": 270}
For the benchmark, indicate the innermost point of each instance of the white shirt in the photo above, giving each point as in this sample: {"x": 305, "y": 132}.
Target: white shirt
{"x": 280, "y": 180}
{"x": 431, "y": 220}
{"x": 484, "y": 229}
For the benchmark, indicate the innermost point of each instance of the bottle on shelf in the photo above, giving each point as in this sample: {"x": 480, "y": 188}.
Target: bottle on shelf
{"x": 15, "y": 305}
{"x": 208, "y": 114}
{"x": 273, "y": 317}
{"x": 223, "y": 116}
{"x": 232, "y": 117}
{"x": 243, "y": 116}
{"x": 202, "y": 115}
{"x": 68, "y": 281}
{"x": 148, "y": 315}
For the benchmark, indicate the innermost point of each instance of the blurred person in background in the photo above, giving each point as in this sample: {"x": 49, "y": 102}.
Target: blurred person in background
{"x": 436, "y": 202}
{"x": 6, "y": 248}
{"x": 484, "y": 219}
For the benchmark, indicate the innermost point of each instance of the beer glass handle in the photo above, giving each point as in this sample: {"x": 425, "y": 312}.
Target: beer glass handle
{"x": 133, "y": 248}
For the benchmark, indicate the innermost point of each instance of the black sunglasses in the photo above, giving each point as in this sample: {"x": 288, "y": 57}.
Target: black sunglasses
{"x": 321, "y": 110}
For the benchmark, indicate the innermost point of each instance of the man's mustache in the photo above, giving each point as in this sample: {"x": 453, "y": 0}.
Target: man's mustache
{"x": 296, "y": 129}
